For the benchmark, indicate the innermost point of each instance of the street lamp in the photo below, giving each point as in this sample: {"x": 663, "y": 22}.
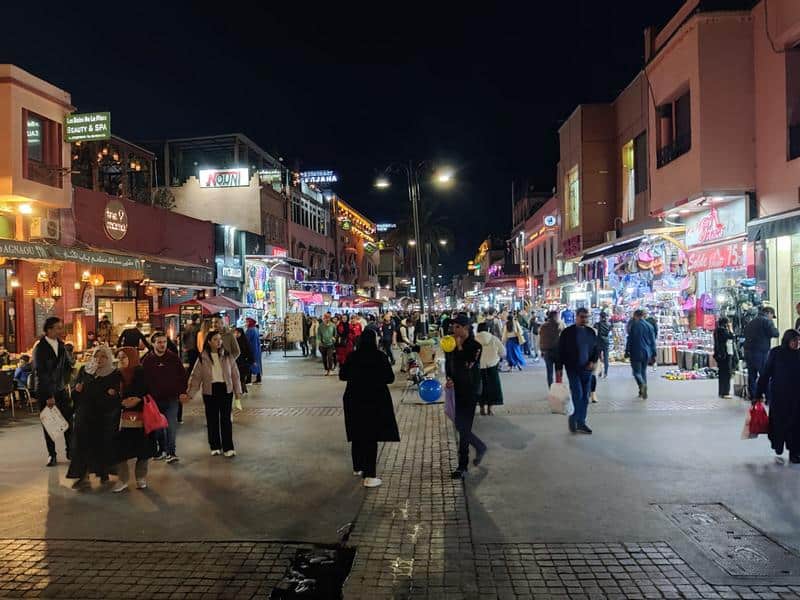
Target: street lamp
{"x": 411, "y": 170}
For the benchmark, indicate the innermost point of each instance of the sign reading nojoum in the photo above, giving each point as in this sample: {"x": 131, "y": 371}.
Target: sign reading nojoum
{"x": 218, "y": 178}
{"x": 318, "y": 177}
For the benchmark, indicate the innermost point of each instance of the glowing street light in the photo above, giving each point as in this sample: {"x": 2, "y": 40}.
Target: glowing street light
{"x": 412, "y": 242}
{"x": 444, "y": 176}
{"x": 383, "y": 182}
{"x": 443, "y": 242}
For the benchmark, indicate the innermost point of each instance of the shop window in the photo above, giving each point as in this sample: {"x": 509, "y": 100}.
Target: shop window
{"x": 628, "y": 183}
{"x": 572, "y": 200}
{"x": 41, "y": 149}
{"x": 793, "y": 102}
{"x": 674, "y": 129}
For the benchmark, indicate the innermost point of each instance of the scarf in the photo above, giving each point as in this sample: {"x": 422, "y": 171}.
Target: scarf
{"x": 133, "y": 362}
{"x": 93, "y": 368}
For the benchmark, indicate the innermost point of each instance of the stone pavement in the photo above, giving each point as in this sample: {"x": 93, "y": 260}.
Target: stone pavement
{"x": 548, "y": 515}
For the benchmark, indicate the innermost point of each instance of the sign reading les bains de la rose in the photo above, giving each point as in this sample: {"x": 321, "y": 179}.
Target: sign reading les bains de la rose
{"x": 82, "y": 127}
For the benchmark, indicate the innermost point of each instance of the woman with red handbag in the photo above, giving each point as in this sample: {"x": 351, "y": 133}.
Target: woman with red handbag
{"x": 131, "y": 440}
{"x": 779, "y": 378}
{"x": 216, "y": 373}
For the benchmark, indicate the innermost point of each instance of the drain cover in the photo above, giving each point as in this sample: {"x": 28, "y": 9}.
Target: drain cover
{"x": 733, "y": 544}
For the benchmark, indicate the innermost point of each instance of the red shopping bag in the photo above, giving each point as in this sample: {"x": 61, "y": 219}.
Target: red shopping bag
{"x": 759, "y": 420}
{"x": 152, "y": 417}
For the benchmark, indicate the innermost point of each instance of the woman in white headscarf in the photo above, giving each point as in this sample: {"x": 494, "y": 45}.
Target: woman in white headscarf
{"x": 97, "y": 411}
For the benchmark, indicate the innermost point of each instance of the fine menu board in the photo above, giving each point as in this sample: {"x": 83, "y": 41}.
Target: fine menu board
{"x": 294, "y": 327}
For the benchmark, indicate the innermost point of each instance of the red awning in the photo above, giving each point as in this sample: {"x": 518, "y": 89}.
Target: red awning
{"x": 306, "y": 296}
{"x": 225, "y": 303}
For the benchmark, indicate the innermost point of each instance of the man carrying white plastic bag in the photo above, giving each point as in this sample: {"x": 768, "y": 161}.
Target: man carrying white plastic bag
{"x": 560, "y": 400}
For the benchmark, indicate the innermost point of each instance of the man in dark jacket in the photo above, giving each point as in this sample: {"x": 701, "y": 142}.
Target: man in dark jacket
{"x": 132, "y": 336}
{"x": 577, "y": 352}
{"x": 603, "y": 329}
{"x": 166, "y": 380}
{"x": 462, "y": 366}
{"x": 641, "y": 349}
{"x": 549, "y": 333}
{"x": 50, "y": 368}
{"x": 757, "y": 341}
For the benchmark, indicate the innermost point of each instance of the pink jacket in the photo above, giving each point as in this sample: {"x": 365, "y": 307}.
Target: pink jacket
{"x": 201, "y": 375}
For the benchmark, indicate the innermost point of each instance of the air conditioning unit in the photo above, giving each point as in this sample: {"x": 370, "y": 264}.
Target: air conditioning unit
{"x": 611, "y": 236}
{"x": 44, "y": 229}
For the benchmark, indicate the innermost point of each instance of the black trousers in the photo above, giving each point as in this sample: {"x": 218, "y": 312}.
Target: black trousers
{"x": 244, "y": 371}
{"x": 365, "y": 456}
{"x": 465, "y": 415}
{"x": 63, "y": 405}
{"x": 304, "y": 347}
{"x": 328, "y": 357}
{"x": 725, "y": 369}
{"x": 218, "y": 418}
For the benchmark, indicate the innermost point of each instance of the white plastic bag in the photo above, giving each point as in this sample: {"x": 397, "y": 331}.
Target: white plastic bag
{"x": 53, "y": 421}
{"x": 559, "y": 399}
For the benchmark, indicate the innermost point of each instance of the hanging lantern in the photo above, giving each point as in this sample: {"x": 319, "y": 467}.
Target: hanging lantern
{"x": 98, "y": 280}
{"x": 86, "y": 276}
{"x": 42, "y": 277}
{"x": 77, "y": 285}
{"x": 14, "y": 282}
{"x": 118, "y": 287}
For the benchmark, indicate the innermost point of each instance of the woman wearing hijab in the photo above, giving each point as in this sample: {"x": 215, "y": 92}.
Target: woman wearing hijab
{"x": 778, "y": 381}
{"x": 512, "y": 334}
{"x": 96, "y": 419}
{"x": 368, "y": 410}
{"x": 344, "y": 341}
{"x": 254, "y": 339}
{"x": 492, "y": 351}
{"x": 724, "y": 353}
{"x": 131, "y": 442}
{"x": 216, "y": 373}
{"x": 245, "y": 359}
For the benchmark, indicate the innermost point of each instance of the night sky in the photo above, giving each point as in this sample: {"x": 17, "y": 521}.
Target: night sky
{"x": 352, "y": 90}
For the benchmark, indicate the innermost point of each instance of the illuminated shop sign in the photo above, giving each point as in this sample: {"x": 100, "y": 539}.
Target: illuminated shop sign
{"x": 87, "y": 126}
{"x": 220, "y": 178}
{"x": 384, "y": 227}
{"x": 269, "y": 175}
{"x": 717, "y": 223}
{"x": 550, "y": 221}
{"x": 115, "y": 220}
{"x": 318, "y": 177}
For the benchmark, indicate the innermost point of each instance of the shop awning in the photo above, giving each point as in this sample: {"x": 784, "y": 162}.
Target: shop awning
{"x": 612, "y": 248}
{"x": 774, "y": 226}
{"x": 359, "y": 302}
{"x": 207, "y": 307}
{"x": 307, "y": 297}
{"x": 224, "y": 303}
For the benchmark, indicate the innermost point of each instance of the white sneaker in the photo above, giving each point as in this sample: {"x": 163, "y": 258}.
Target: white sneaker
{"x": 779, "y": 460}
{"x": 230, "y": 453}
{"x": 141, "y": 484}
{"x": 371, "y": 482}
{"x": 216, "y": 452}
{"x": 358, "y": 473}
{"x": 172, "y": 459}
{"x": 120, "y": 486}
{"x": 161, "y": 456}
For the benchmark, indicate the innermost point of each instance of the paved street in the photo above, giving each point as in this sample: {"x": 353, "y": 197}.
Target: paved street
{"x": 663, "y": 501}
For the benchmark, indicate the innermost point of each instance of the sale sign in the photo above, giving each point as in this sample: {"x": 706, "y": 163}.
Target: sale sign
{"x": 718, "y": 257}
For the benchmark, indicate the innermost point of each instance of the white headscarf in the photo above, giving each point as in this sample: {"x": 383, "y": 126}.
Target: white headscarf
{"x": 93, "y": 368}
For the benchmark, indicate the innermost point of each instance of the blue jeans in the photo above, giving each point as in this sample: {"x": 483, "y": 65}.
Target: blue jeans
{"x": 639, "y": 368}
{"x": 580, "y": 386}
{"x": 549, "y": 365}
{"x": 756, "y": 361}
{"x": 166, "y": 437}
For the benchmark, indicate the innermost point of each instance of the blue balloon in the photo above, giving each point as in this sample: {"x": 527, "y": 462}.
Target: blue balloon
{"x": 430, "y": 390}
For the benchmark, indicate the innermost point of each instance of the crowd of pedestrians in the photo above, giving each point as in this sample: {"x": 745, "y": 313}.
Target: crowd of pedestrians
{"x": 104, "y": 403}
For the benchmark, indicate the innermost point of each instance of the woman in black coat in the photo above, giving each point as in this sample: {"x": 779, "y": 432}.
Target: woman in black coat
{"x": 96, "y": 419}
{"x": 245, "y": 359}
{"x": 724, "y": 353}
{"x": 368, "y": 409}
{"x": 779, "y": 378}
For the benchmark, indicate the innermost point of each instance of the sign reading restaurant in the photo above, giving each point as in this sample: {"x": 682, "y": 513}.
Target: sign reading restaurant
{"x": 81, "y": 127}
{"x": 221, "y": 178}
{"x": 318, "y": 177}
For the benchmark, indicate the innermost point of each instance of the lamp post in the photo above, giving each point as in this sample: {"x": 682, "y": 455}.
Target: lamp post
{"x": 411, "y": 171}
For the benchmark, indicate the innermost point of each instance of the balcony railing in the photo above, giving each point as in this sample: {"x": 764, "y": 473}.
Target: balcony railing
{"x": 681, "y": 145}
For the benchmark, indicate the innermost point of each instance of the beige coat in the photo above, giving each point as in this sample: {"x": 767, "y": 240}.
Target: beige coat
{"x": 201, "y": 377}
